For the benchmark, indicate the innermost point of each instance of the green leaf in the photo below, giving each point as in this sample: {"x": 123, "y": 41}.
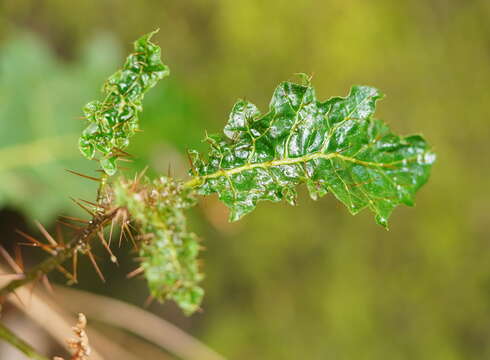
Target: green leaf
{"x": 168, "y": 251}
{"x": 333, "y": 146}
{"x": 114, "y": 120}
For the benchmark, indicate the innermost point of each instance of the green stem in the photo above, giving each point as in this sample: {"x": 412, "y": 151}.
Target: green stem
{"x": 14, "y": 340}
{"x": 194, "y": 182}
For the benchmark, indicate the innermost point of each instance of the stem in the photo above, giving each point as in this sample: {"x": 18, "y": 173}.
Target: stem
{"x": 76, "y": 244}
{"x": 14, "y": 340}
{"x": 43, "y": 268}
{"x": 194, "y": 182}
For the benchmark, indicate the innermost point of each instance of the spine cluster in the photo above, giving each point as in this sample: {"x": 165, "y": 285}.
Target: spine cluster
{"x": 168, "y": 251}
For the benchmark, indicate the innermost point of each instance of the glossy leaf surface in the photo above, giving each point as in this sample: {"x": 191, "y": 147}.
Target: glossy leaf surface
{"x": 114, "y": 120}
{"x": 332, "y": 146}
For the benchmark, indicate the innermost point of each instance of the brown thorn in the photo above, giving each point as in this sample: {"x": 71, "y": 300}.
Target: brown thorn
{"x": 130, "y": 235}
{"x": 46, "y": 234}
{"x": 122, "y": 152}
{"x": 83, "y": 207}
{"x": 135, "y": 272}
{"x": 59, "y": 234}
{"x": 18, "y": 257}
{"x": 75, "y": 264}
{"x": 94, "y": 263}
{"x": 10, "y": 260}
{"x": 90, "y": 203}
{"x": 47, "y": 284}
{"x": 28, "y": 244}
{"x": 138, "y": 178}
{"x": 19, "y": 298}
{"x": 74, "y": 227}
{"x": 102, "y": 239}
{"x": 31, "y": 291}
{"x": 72, "y": 218}
{"x": 36, "y": 242}
{"x": 149, "y": 300}
{"x": 193, "y": 169}
{"x": 67, "y": 274}
{"x": 110, "y": 232}
{"x": 121, "y": 233}
{"x": 83, "y": 175}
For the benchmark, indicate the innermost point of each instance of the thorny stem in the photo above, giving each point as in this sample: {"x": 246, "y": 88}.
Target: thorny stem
{"x": 80, "y": 240}
{"x": 10, "y": 337}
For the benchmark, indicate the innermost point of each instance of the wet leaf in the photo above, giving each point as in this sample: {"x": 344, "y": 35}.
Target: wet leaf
{"x": 332, "y": 146}
{"x": 114, "y": 120}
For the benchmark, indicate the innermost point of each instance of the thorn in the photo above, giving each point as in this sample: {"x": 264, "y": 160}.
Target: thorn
{"x": 83, "y": 207}
{"x": 75, "y": 264}
{"x": 47, "y": 284}
{"x": 36, "y": 242}
{"x": 19, "y": 298}
{"x": 84, "y": 176}
{"x": 17, "y": 269}
{"x": 102, "y": 239}
{"x": 138, "y": 178}
{"x": 122, "y": 152}
{"x": 149, "y": 300}
{"x": 72, "y": 218}
{"x": 46, "y": 234}
{"x": 110, "y": 232}
{"x": 94, "y": 263}
{"x": 135, "y": 272}
{"x": 121, "y": 233}
{"x": 191, "y": 163}
{"x": 130, "y": 235}
{"x": 31, "y": 291}
{"x": 90, "y": 203}
{"x": 67, "y": 274}
{"x": 18, "y": 258}
{"x": 74, "y": 227}
{"x": 59, "y": 234}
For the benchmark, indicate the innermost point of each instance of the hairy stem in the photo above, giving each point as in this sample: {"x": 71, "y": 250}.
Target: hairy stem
{"x": 14, "y": 340}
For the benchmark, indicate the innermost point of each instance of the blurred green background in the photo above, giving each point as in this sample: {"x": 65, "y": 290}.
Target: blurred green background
{"x": 305, "y": 282}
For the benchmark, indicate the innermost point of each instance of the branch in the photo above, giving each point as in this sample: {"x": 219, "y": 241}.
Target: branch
{"x": 76, "y": 244}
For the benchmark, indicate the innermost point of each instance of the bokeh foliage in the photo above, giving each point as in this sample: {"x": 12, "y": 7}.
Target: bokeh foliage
{"x": 311, "y": 281}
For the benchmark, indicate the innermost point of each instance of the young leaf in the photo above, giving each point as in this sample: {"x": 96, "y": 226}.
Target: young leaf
{"x": 333, "y": 146}
{"x": 168, "y": 250}
{"x": 115, "y": 119}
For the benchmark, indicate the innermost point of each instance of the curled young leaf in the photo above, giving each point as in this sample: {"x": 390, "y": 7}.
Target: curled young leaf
{"x": 114, "y": 120}
{"x": 333, "y": 146}
{"x": 168, "y": 251}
